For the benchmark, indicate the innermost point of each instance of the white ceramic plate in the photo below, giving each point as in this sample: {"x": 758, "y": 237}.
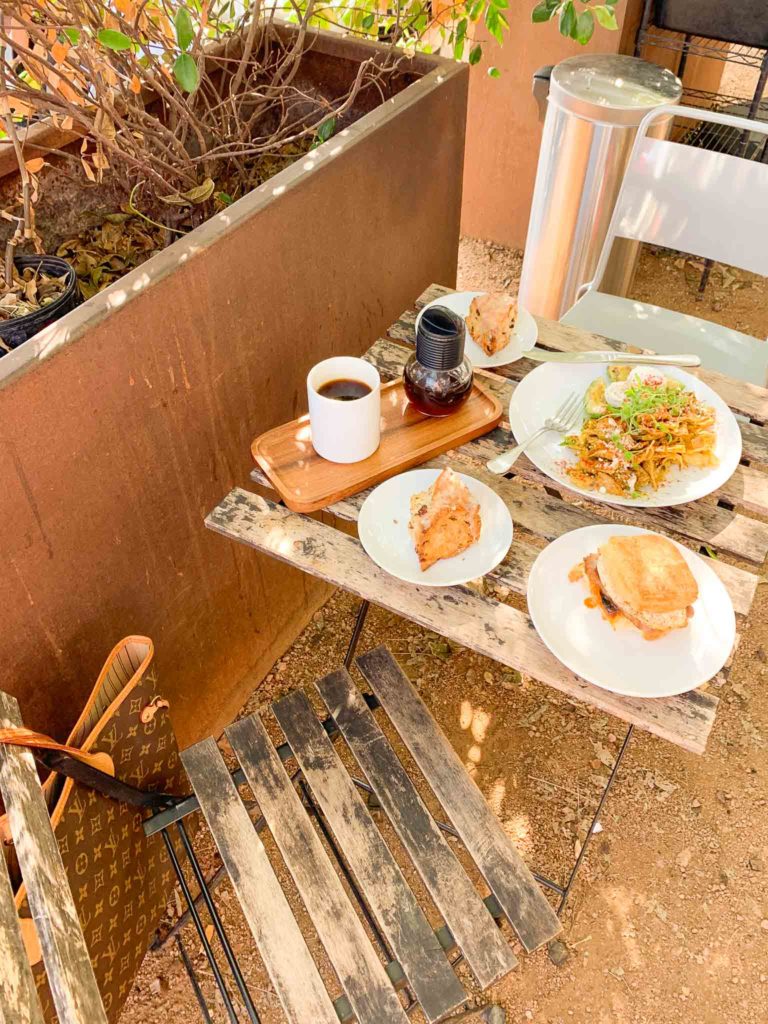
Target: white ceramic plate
{"x": 541, "y": 393}
{"x": 523, "y": 337}
{"x": 383, "y": 530}
{"x": 618, "y": 658}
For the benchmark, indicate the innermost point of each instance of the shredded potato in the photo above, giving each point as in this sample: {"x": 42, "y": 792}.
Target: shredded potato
{"x": 629, "y": 449}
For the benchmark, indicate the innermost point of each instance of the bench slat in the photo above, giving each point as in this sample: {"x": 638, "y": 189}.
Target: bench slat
{"x": 477, "y": 935}
{"x": 457, "y": 613}
{"x": 68, "y": 966}
{"x": 282, "y": 947}
{"x": 510, "y": 881}
{"x": 381, "y": 881}
{"x": 362, "y": 976}
{"x": 19, "y": 1003}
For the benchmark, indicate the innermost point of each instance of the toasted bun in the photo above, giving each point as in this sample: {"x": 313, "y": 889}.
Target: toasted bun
{"x": 647, "y": 576}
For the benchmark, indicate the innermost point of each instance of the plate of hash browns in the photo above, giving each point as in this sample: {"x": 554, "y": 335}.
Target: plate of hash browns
{"x": 649, "y": 436}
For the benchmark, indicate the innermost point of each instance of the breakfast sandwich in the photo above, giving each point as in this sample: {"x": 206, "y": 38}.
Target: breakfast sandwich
{"x": 642, "y": 578}
{"x": 491, "y": 321}
{"x": 445, "y": 520}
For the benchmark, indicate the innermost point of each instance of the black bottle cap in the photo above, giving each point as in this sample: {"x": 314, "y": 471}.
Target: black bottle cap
{"x": 440, "y": 339}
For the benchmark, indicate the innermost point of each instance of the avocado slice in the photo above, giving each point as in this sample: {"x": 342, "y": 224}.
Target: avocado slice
{"x": 616, "y": 372}
{"x": 594, "y": 400}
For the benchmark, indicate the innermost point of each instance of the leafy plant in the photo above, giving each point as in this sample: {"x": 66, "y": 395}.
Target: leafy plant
{"x": 183, "y": 100}
{"x": 576, "y": 18}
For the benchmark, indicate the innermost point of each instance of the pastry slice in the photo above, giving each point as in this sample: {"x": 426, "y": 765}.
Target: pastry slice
{"x": 445, "y": 520}
{"x": 491, "y": 321}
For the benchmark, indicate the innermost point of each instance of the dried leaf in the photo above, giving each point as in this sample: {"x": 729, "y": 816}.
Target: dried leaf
{"x": 135, "y": 85}
{"x": 35, "y": 165}
{"x": 88, "y": 171}
{"x": 59, "y": 51}
{"x": 198, "y": 194}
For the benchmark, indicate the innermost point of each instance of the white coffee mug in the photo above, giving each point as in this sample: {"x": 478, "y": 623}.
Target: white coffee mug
{"x": 344, "y": 431}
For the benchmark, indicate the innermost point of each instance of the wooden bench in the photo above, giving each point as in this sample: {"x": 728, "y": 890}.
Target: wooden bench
{"x": 321, "y": 807}
{"x": 67, "y": 964}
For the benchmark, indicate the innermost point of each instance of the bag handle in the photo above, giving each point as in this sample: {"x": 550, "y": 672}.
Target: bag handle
{"x": 94, "y": 770}
{"x": 21, "y": 737}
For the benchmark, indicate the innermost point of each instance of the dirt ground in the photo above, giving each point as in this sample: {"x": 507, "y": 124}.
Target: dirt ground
{"x": 668, "y": 920}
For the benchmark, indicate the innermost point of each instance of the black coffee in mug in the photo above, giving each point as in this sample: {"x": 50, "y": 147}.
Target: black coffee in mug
{"x": 344, "y": 389}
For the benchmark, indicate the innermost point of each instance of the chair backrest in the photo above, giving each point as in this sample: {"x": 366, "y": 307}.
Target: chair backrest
{"x": 67, "y": 963}
{"x": 697, "y": 200}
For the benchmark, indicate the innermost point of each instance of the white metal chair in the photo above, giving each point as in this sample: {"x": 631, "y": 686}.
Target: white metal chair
{"x": 700, "y": 201}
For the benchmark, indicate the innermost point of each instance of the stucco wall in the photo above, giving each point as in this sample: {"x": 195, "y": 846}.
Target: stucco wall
{"x": 123, "y": 425}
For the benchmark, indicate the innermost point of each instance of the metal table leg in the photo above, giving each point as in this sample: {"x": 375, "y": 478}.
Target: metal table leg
{"x": 362, "y": 615}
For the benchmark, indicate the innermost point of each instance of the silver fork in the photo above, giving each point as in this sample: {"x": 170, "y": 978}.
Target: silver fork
{"x": 562, "y": 422}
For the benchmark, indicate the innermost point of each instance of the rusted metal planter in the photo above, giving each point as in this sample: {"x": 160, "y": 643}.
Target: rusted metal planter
{"x": 124, "y": 423}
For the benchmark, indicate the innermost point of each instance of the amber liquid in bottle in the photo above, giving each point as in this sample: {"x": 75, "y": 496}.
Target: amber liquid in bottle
{"x": 436, "y": 392}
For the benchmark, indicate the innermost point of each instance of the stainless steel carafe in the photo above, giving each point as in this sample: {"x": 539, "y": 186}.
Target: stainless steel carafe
{"x": 594, "y": 107}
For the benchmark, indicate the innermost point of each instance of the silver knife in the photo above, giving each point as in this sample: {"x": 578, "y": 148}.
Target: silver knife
{"x": 542, "y": 355}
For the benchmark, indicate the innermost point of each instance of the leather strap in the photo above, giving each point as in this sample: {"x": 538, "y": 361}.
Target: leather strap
{"x": 20, "y": 737}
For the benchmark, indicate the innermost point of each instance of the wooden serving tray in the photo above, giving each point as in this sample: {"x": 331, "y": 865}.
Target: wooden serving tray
{"x": 306, "y": 482}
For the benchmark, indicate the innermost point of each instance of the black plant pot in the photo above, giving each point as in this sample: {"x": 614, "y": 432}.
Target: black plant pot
{"x": 15, "y": 332}
{"x": 745, "y": 21}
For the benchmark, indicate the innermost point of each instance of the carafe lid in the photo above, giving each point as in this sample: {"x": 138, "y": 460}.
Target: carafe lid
{"x": 440, "y": 338}
{"x": 611, "y": 87}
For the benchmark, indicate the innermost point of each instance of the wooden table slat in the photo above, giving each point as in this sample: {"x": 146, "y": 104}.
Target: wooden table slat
{"x": 706, "y": 522}
{"x": 469, "y": 619}
{"x": 362, "y": 976}
{"x": 513, "y": 885}
{"x": 65, "y": 954}
{"x": 741, "y": 396}
{"x": 289, "y": 963}
{"x": 486, "y": 951}
{"x": 513, "y": 571}
{"x": 748, "y": 486}
{"x": 376, "y": 871}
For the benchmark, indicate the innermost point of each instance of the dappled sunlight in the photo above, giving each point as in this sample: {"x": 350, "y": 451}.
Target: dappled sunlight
{"x": 496, "y": 796}
{"x": 475, "y": 721}
{"x": 116, "y": 298}
{"x": 142, "y": 281}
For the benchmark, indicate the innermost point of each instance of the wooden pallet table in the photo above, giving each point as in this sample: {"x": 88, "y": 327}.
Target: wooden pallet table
{"x": 725, "y": 528}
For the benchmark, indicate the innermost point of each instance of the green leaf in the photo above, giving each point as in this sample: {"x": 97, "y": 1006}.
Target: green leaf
{"x": 326, "y": 129}
{"x": 541, "y": 12}
{"x": 368, "y": 21}
{"x": 500, "y": 5}
{"x": 567, "y": 19}
{"x": 585, "y": 26}
{"x": 185, "y": 31}
{"x": 114, "y": 40}
{"x": 73, "y": 35}
{"x": 475, "y": 54}
{"x": 460, "y": 39}
{"x": 225, "y": 198}
{"x": 606, "y": 17}
{"x": 185, "y": 71}
{"x": 494, "y": 73}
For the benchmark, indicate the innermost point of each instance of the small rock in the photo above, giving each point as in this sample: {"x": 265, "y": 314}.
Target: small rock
{"x": 159, "y": 985}
{"x": 764, "y": 924}
{"x": 756, "y": 863}
{"x": 696, "y": 804}
{"x": 558, "y": 952}
{"x": 684, "y": 859}
{"x": 488, "y": 677}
